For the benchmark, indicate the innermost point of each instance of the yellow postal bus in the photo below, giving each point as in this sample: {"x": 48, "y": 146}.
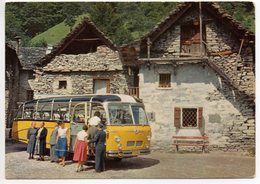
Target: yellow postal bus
{"x": 128, "y": 132}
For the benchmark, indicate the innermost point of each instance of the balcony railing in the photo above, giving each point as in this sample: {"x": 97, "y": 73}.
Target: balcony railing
{"x": 133, "y": 91}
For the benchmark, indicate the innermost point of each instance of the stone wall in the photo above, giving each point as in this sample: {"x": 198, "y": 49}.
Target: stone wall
{"x": 80, "y": 71}
{"x": 168, "y": 45}
{"x": 104, "y": 59}
{"x": 78, "y": 82}
{"x": 228, "y": 118}
{"x": 221, "y": 45}
{"x": 25, "y": 84}
{"x": 240, "y": 68}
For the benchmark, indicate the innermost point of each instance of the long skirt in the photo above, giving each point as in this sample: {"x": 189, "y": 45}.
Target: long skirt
{"x": 31, "y": 146}
{"x": 42, "y": 147}
{"x": 80, "y": 152}
{"x": 61, "y": 147}
{"x": 37, "y": 147}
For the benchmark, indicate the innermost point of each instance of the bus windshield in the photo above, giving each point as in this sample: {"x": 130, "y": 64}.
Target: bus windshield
{"x": 120, "y": 114}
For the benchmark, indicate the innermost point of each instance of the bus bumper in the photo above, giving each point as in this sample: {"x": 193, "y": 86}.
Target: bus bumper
{"x": 127, "y": 154}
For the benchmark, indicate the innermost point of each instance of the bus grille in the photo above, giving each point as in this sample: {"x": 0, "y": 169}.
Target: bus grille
{"x": 130, "y": 143}
{"x": 139, "y": 143}
{"x": 134, "y": 143}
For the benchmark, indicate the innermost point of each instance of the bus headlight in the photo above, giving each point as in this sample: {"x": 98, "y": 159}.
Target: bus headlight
{"x": 147, "y": 146}
{"x": 148, "y": 137}
{"x": 117, "y": 139}
{"x": 119, "y": 146}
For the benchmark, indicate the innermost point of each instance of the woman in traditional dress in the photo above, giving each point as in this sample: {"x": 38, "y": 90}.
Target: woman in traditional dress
{"x": 31, "y": 137}
{"x": 80, "y": 148}
{"x": 61, "y": 150}
{"x": 41, "y": 135}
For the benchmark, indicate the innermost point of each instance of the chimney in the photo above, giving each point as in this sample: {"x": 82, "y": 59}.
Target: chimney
{"x": 49, "y": 49}
{"x": 18, "y": 43}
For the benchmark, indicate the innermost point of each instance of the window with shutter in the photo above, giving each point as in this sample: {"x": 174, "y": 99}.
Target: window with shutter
{"x": 200, "y": 117}
{"x": 101, "y": 86}
{"x": 190, "y": 39}
{"x": 177, "y": 117}
{"x": 188, "y": 117}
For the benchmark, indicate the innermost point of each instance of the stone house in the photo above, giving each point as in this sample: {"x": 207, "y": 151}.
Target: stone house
{"x": 19, "y": 75}
{"x": 28, "y": 57}
{"x": 12, "y": 72}
{"x": 197, "y": 77}
{"x": 84, "y": 62}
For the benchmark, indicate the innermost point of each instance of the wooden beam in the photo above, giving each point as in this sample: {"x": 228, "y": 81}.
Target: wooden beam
{"x": 87, "y": 39}
{"x": 70, "y": 40}
{"x": 222, "y": 53}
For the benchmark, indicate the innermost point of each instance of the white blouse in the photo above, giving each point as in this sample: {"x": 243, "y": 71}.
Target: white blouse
{"x": 82, "y": 135}
{"x": 62, "y": 132}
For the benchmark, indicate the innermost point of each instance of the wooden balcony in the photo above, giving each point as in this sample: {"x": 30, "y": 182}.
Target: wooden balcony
{"x": 133, "y": 91}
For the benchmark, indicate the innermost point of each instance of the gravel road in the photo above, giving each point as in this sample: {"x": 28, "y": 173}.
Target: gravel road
{"x": 154, "y": 165}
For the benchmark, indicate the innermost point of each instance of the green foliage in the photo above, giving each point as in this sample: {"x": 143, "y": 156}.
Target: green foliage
{"x": 54, "y": 35}
{"x": 40, "y": 43}
{"x": 123, "y": 22}
{"x": 243, "y": 12}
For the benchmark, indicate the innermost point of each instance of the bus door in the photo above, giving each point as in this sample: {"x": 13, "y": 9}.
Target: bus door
{"x": 79, "y": 118}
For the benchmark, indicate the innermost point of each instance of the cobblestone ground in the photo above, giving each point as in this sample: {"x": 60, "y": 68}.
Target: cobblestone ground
{"x": 154, "y": 165}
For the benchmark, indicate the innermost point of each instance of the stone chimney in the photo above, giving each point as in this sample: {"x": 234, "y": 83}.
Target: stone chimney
{"x": 18, "y": 43}
{"x": 49, "y": 49}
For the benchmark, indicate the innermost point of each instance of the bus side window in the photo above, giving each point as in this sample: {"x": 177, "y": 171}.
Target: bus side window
{"x": 96, "y": 107}
{"x": 61, "y": 111}
{"x": 44, "y": 111}
{"x": 79, "y": 113}
{"x": 29, "y": 110}
{"x": 19, "y": 114}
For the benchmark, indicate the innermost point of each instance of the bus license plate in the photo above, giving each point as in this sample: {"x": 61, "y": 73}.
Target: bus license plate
{"x": 135, "y": 153}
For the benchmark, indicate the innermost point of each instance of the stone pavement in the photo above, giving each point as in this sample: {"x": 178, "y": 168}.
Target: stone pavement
{"x": 155, "y": 165}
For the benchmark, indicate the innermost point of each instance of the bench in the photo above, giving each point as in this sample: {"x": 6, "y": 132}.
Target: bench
{"x": 190, "y": 141}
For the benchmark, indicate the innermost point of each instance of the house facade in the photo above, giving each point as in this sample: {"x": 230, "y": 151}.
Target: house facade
{"x": 19, "y": 76}
{"x": 197, "y": 77}
{"x": 12, "y": 72}
{"x": 84, "y": 62}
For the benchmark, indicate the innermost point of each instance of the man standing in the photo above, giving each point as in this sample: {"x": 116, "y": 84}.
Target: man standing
{"x": 41, "y": 137}
{"x": 100, "y": 141}
{"x": 92, "y": 129}
{"x": 53, "y": 142}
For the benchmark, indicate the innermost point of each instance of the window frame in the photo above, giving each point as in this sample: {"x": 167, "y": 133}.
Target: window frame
{"x": 60, "y": 85}
{"x": 29, "y": 94}
{"x": 107, "y": 80}
{"x": 178, "y": 117}
{"x": 159, "y": 80}
{"x": 197, "y": 118}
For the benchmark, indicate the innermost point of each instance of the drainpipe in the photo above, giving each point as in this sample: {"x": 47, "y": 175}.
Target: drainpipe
{"x": 148, "y": 47}
{"x": 200, "y": 13}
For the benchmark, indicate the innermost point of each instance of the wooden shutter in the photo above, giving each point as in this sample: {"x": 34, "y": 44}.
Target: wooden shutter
{"x": 108, "y": 86}
{"x": 200, "y": 117}
{"x": 177, "y": 117}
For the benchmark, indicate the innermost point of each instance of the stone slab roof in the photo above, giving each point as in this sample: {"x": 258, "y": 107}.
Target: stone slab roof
{"x": 211, "y": 7}
{"x": 29, "y": 56}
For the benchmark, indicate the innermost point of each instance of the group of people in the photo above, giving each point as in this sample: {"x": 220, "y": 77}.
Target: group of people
{"x": 92, "y": 136}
